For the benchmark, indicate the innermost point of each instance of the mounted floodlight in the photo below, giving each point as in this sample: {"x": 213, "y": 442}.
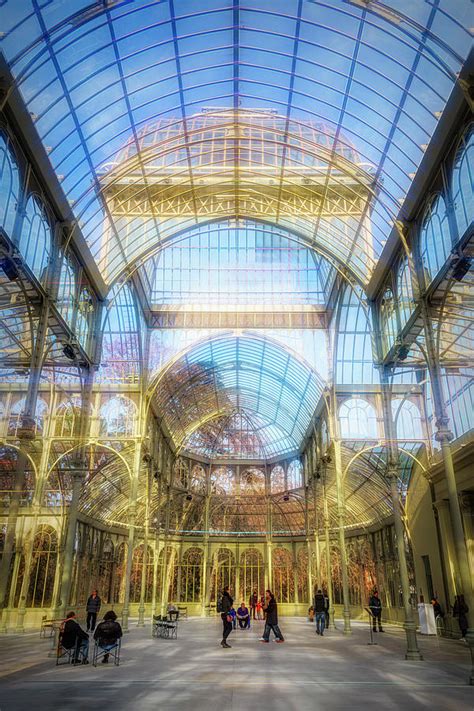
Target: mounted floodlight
{"x": 189, "y": 496}
{"x": 10, "y": 268}
{"x": 69, "y": 351}
{"x": 403, "y": 352}
{"x": 461, "y": 268}
{"x": 286, "y": 496}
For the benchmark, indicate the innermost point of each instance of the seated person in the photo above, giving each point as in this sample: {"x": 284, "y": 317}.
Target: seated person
{"x": 73, "y": 634}
{"x": 243, "y": 616}
{"x": 233, "y": 614}
{"x": 107, "y": 633}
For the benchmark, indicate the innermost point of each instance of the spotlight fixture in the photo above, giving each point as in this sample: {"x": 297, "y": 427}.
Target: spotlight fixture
{"x": 461, "y": 268}
{"x": 10, "y": 268}
{"x": 189, "y": 496}
{"x": 403, "y": 352}
{"x": 286, "y": 496}
{"x": 69, "y": 351}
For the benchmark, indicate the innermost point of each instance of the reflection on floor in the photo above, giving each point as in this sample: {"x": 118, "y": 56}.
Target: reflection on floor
{"x": 307, "y": 673}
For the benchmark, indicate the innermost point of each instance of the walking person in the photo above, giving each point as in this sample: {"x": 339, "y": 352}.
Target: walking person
{"x": 326, "y": 608}
{"x": 226, "y": 606}
{"x": 271, "y": 619}
{"x": 92, "y": 608}
{"x": 319, "y": 605}
{"x": 460, "y": 610}
{"x": 375, "y": 607}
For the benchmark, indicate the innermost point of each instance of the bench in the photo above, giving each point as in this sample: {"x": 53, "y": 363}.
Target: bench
{"x": 164, "y": 627}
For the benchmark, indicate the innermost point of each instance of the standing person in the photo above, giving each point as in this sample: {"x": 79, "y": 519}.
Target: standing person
{"x": 259, "y": 610}
{"x": 253, "y": 604}
{"x": 375, "y": 607}
{"x": 72, "y": 635}
{"x": 271, "y": 619}
{"x": 92, "y": 609}
{"x": 226, "y": 606}
{"x": 108, "y": 633}
{"x": 326, "y": 608}
{"x": 319, "y": 605}
{"x": 460, "y": 610}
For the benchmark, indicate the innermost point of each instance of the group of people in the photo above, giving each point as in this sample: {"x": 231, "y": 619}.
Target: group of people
{"x": 460, "y": 610}
{"x": 244, "y": 614}
{"x": 106, "y": 634}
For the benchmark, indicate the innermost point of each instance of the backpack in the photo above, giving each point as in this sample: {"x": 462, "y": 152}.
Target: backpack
{"x": 219, "y": 603}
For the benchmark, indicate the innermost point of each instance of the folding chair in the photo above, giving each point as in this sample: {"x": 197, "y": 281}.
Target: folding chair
{"x": 69, "y": 655}
{"x": 100, "y": 652}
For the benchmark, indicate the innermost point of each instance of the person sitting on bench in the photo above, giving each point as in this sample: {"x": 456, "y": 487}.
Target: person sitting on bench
{"x": 243, "y": 616}
{"x": 73, "y": 634}
{"x": 107, "y": 633}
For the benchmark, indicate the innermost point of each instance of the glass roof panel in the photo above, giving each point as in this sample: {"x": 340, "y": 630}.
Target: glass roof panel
{"x": 357, "y": 86}
{"x": 270, "y": 388}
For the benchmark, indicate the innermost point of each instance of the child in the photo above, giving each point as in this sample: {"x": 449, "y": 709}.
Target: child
{"x": 233, "y": 614}
{"x": 259, "y": 610}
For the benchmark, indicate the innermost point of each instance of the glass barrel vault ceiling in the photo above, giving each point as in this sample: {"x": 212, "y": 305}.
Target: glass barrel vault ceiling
{"x": 243, "y": 397}
{"x": 323, "y": 102}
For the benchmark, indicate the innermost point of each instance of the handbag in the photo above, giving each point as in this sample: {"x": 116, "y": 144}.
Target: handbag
{"x": 229, "y": 618}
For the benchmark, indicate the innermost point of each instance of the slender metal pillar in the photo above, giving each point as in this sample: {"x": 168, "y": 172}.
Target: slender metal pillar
{"x": 346, "y": 613}
{"x": 328, "y": 556}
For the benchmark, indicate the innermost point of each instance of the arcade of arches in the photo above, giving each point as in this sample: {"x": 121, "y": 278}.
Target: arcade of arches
{"x": 236, "y": 311}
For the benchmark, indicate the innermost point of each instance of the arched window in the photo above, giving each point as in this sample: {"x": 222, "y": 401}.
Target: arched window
{"x": 35, "y": 239}
{"x": 463, "y": 182}
{"x": 119, "y": 577}
{"x": 191, "y": 575}
{"x": 435, "y": 239}
{"x": 388, "y": 319}
{"x": 404, "y": 292}
{"x": 283, "y": 581}
{"x": 8, "y": 469}
{"x": 223, "y": 572}
{"x": 222, "y": 480}
{"x": 66, "y": 291}
{"x": 407, "y": 419}
{"x": 121, "y": 346}
{"x": 117, "y": 417}
{"x": 278, "y": 479}
{"x": 16, "y": 415}
{"x": 181, "y": 473}
{"x": 252, "y": 481}
{"x": 43, "y": 568}
{"x": 85, "y": 311}
{"x": 104, "y": 582}
{"x": 303, "y": 567}
{"x": 9, "y": 186}
{"x": 198, "y": 478}
{"x": 252, "y": 573}
{"x": 295, "y": 474}
{"x": 136, "y": 574}
{"x": 167, "y": 572}
{"x": 68, "y": 418}
{"x": 358, "y": 419}
{"x": 354, "y": 357}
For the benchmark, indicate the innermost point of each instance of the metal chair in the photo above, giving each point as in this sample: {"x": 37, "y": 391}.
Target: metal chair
{"x": 69, "y": 655}
{"x": 100, "y": 652}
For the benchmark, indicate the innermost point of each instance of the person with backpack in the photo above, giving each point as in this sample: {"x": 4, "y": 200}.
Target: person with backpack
{"x": 319, "y": 605}
{"x": 271, "y": 619}
{"x": 225, "y": 605}
{"x": 107, "y": 633}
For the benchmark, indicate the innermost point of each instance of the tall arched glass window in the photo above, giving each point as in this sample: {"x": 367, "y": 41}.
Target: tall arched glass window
{"x": 66, "y": 291}
{"x": 85, "y": 310}
{"x": 404, "y": 292}
{"x": 354, "y": 357}
{"x": 9, "y": 186}
{"x": 407, "y": 420}
{"x": 121, "y": 346}
{"x": 117, "y": 417}
{"x": 283, "y": 579}
{"x": 358, "y": 419}
{"x": 463, "y": 182}
{"x": 43, "y": 568}
{"x": 277, "y": 478}
{"x": 435, "y": 243}
{"x": 35, "y": 239}
{"x": 191, "y": 575}
{"x": 295, "y": 474}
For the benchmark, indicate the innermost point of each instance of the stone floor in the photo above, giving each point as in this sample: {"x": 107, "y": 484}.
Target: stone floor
{"x": 307, "y": 673}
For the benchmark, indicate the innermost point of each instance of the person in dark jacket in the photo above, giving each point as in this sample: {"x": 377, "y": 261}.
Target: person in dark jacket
{"x": 271, "y": 619}
{"x": 226, "y": 606}
{"x": 437, "y": 609}
{"x": 375, "y": 607}
{"x": 253, "y": 604}
{"x": 319, "y": 605}
{"x": 326, "y": 609}
{"x": 460, "y": 610}
{"x": 108, "y": 633}
{"x": 71, "y": 635}
{"x": 92, "y": 609}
